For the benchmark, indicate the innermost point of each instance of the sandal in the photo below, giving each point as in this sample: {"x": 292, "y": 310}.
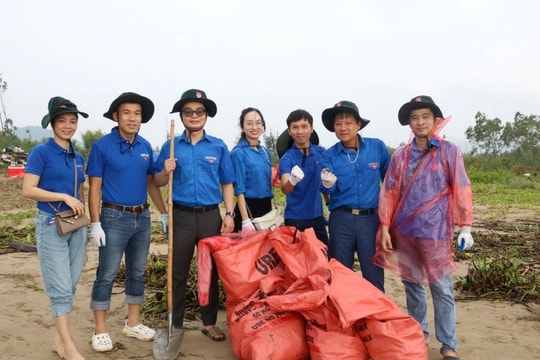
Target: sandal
{"x": 139, "y": 332}
{"x": 214, "y": 333}
{"x": 102, "y": 342}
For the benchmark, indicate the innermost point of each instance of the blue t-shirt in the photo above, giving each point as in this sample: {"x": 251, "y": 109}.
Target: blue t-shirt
{"x": 200, "y": 169}
{"x": 123, "y": 168}
{"x": 54, "y": 166}
{"x": 359, "y": 174}
{"x": 304, "y": 202}
{"x": 253, "y": 171}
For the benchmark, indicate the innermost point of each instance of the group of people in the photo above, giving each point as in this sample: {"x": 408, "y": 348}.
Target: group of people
{"x": 396, "y": 212}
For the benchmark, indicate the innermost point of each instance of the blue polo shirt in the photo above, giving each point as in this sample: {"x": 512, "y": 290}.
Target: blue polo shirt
{"x": 123, "y": 168}
{"x": 253, "y": 171}
{"x": 200, "y": 169}
{"x": 304, "y": 202}
{"x": 54, "y": 166}
{"x": 358, "y": 178}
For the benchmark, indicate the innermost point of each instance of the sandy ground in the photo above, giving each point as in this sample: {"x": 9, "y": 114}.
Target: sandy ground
{"x": 486, "y": 330}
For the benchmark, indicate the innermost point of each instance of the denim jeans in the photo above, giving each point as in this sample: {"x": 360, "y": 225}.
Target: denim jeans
{"x": 444, "y": 306}
{"x": 351, "y": 233}
{"x": 125, "y": 233}
{"x": 61, "y": 259}
{"x": 318, "y": 225}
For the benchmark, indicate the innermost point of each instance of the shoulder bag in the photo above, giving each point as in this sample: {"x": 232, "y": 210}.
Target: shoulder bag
{"x": 67, "y": 221}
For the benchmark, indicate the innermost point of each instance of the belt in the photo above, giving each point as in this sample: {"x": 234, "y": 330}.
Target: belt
{"x": 131, "y": 209}
{"x": 197, "y": 209}
{"x": 359, "y": 211}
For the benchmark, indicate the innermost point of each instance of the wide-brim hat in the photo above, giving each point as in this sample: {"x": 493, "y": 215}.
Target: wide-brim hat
{"x": 147, "y": 105}
{"x": 329, "y": 115}
{"x": 198, "y": 96}
{"x": 418, "y": 102}
{"x": 285, "y": 141}
{"x": 58, "y": 105}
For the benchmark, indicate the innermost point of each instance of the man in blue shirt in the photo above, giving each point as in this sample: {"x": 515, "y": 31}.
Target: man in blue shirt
{"x": 203, "y": 177}
{"x": 353, "y": 170}
{"x": 299, "y": 171}
{"x": 120, "y": 169}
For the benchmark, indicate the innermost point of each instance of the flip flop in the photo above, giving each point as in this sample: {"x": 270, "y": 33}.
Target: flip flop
{"x": 214, "y": 333}
{"x": 449, "y": 357}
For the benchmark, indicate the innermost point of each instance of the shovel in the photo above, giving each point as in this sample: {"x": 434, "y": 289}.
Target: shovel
{"x": 167, "y": 341}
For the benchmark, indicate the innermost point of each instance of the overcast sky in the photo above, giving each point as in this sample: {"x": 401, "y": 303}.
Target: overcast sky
{"x": 277, "y": 55}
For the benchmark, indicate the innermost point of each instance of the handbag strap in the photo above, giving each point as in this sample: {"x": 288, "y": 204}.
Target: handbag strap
{"x": 74, "y": 186}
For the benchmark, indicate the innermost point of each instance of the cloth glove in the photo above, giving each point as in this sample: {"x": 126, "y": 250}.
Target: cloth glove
{"x": 328, "y": 178}
{"x": 247, "y": 226}
{"x": 97, "y": 235}
{"x": 296, "y": 175}
{"x": 465, "y": 239}
{"x": 165, "y": 225}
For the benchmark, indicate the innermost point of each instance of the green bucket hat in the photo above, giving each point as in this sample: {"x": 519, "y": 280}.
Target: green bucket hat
{"x": 198, "y": 96}
{"x": 58, "y": 105}
{"x": 418, "y": 102}
{"x": 130, "y": 97}
{"x": 329, "y": 114}
{"x": 285, "y": 141}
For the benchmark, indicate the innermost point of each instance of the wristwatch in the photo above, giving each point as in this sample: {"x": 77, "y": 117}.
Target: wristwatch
{"x": 230, "y": 213}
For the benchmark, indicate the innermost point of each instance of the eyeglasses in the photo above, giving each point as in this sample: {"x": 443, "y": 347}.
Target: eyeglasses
{"x": 257, "y": 124}
{"x": 190, "y": 112}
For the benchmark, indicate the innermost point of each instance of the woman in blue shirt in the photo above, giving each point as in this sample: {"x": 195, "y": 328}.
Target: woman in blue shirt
{"x": 253, "y": 169}
{"x": 53, "y": 177}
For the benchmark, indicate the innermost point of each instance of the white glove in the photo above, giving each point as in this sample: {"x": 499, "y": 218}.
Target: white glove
{"x": 296, "y": 175}
{"x": 328, "y": 178}
{"x": 97, "y": 235}
{"x": 465, "y": 239}
{"x": 165, "y": 225}
{"x": 247, "y": 226}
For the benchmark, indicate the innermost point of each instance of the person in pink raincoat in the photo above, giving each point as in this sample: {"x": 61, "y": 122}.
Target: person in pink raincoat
{"x": 426, "y": 192}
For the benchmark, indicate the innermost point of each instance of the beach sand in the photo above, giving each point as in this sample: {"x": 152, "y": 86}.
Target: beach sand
{"x": 486, "y": 329}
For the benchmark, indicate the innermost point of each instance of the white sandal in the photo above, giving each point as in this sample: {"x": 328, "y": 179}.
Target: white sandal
{"x": 102, "y": 342}
{"x": 139, "y": 332}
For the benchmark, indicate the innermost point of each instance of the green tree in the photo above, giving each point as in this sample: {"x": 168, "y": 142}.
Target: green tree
{"x": 269, "y": 141}
{"x": 88, "y": 138}
{"x": 526, "y": 136}
{"x": 485, "y": 135}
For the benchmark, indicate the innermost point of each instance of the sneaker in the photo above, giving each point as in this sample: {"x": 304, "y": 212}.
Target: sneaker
{"x": 139, "y": 332}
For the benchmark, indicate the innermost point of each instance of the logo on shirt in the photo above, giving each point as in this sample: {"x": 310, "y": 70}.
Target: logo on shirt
{"x": 210, "y": 159}
{"x": 374, "y": 166}
{"x": 145, "y": 157}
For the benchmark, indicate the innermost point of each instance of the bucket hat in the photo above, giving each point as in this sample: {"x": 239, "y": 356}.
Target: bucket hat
{"x": 130, "y": 97}
{"x": 329, "y": 114}
{"x": 198, "y": 96}
{"x": 59, "y": 105}
{"x": 285, "y": 141}
{"x": 418, "y": 102}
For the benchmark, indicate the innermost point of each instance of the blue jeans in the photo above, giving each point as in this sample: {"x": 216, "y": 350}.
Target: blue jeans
{"x": 318, "y": 225}
{"x": 61, "y": 259}
{"x": 351, "y": 233}
{"x": 444, "y": 306}
{"x": 128, "y": 233}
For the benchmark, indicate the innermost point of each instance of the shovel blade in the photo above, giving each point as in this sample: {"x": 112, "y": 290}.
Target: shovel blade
{"x": 167, "y": 345}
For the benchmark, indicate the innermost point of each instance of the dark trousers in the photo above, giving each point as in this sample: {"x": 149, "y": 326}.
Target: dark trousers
{"x": 258, "y": 207}
{"x": 318, "y": 224}
{"x": 188, "y": 229}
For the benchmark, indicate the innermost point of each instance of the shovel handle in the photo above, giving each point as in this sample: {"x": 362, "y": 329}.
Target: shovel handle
{"x": 170, "y": 225}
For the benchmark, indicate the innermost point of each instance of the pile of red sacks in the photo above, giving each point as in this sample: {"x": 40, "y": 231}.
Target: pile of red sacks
{"x": 285, "y": 300}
